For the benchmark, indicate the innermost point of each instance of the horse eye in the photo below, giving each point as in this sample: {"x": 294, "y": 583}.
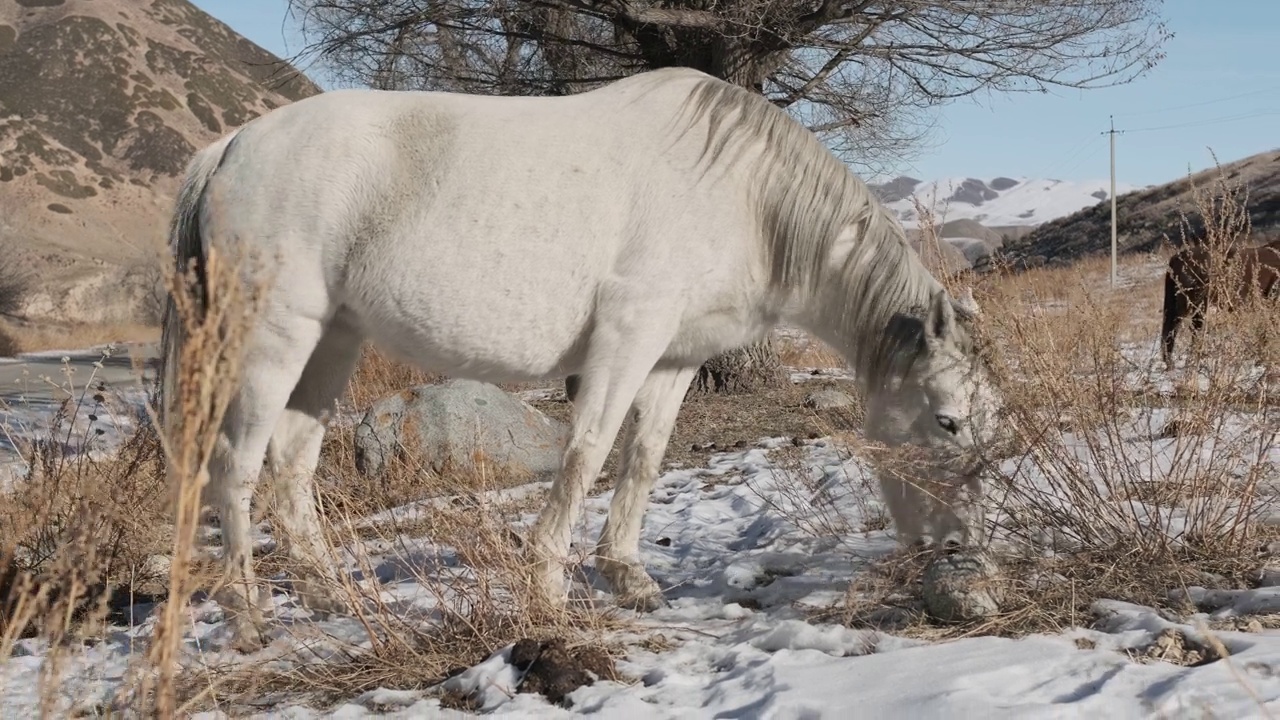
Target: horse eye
{"x": 948, "y": 423}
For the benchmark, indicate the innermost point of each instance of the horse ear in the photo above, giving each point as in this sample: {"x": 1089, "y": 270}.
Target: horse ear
{"x": 942, "y": 316}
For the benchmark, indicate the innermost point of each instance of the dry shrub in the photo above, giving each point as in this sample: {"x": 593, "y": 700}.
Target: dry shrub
{"x": 212, "y": 322}
{"x": 1119, "y": 482}
{"x": 79, "y": 530}
{"x": 79, "y": 539}
{"x": 807, "y": 352}
{"x": 9, "y": 346}
{"x": 15, "y": 282}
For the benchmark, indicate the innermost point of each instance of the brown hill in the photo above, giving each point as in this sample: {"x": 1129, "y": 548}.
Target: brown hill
{"x": 102, "y": 103}
{"x": 1144, "y": 218}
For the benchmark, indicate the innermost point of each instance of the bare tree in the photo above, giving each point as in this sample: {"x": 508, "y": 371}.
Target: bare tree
{"x": 860, "y": 74}
{"x": 15, "y": 283}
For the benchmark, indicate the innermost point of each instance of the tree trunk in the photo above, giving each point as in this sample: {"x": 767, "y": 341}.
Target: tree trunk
{"x": 750, "y": 368}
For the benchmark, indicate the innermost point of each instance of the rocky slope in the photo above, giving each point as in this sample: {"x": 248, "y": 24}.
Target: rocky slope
{"x": 1145, "y": 218}
{"x": 102, "y": 102}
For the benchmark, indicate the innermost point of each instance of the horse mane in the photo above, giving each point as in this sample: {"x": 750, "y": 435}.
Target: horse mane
{"x": 804, "y": 198}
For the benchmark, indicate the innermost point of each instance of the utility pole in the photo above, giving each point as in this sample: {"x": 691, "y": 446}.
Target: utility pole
{"x": 1112, "y": 133}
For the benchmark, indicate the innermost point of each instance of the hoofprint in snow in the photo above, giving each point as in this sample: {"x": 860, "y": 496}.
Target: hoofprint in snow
{"x": 999, "y": 202}
{"x": 748, "y": 548}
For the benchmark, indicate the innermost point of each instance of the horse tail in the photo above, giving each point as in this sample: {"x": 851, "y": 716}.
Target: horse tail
{"x": 1172, "y": 306}
{"x": 188, "y": 247}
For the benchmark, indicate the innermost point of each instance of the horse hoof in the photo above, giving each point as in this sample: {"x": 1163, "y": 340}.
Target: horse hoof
{"x": 248, "y": 636}
{"x": 645, "y": 603}
{"x": 632, "y": 587}
{"x": 325, "y": 603}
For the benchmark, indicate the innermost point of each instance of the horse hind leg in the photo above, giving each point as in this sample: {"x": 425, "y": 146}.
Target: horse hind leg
{"x": 292, "y": 457}
{"x": 653, "y": 417}
{"x": 275, "y": 356}
{"x": 1199, "y": 306}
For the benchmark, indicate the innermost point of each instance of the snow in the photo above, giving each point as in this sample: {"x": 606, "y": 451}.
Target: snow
{"x": 104, "y": 404}
{"x": 747, "y": 548}
{"x": 1028, "y": 202}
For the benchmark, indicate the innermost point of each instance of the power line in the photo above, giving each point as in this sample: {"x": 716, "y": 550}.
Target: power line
{"x": 1208, "y": 121}
{"x": 1201, "y": 103}
{"x": 1093, "y": 149}
{"x": 1073, "y": 155}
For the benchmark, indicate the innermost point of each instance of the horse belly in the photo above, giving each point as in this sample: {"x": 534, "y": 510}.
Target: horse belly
{"x": 494, "y": 316}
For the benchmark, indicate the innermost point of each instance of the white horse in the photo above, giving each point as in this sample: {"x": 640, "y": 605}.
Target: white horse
{"x": 933, "y": 493}
{"x": 624, "y": 235}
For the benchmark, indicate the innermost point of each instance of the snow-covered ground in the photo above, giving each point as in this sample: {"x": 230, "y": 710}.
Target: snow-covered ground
{"x": 748, "y": 548}
{"x": 92, "y": 396}
{"x": 1001, "y": 202}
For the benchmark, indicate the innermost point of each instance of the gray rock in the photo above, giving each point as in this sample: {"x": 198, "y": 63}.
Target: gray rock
{"x": 1268, "y": 575}
{"x": 962, "y": 586}
{"x": 828, "y": 399}
{"x": 446, "y": 426}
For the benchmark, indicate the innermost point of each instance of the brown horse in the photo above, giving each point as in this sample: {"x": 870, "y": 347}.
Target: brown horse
{"x": 1188, "y": 287}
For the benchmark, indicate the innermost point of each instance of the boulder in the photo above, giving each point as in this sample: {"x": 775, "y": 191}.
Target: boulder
{"x": 828, "y": 399}
{"x": 447, "y": 427}
{"x": 962, "y": 586}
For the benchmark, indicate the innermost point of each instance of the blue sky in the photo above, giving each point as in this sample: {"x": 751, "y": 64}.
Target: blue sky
{"x": 1219, "y": 85}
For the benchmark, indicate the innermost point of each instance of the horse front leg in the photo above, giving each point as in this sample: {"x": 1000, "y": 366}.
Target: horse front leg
{"x": 617, "y": 364}
{"x": 653, "y": 417}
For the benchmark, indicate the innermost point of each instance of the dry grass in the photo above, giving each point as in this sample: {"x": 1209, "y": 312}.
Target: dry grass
{"x": 806, "y": 353}
{"x": 379, "y": 375}
{"x": 27, "y": 337}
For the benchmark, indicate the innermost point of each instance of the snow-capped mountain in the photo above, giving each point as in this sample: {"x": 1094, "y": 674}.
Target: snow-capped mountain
{"x": 998, "y": 202}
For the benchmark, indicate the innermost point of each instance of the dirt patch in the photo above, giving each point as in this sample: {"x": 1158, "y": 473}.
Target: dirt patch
{"x": 551, "y": 669}
{"x": 711, "y": 423}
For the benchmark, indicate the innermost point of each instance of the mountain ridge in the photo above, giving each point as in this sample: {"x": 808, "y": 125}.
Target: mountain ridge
{"x": 1148, "y": 217}
{"x": 102, "y": 103}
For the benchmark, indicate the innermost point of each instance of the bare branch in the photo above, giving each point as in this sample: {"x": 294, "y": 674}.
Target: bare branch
{"x": 858, "y": 72}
